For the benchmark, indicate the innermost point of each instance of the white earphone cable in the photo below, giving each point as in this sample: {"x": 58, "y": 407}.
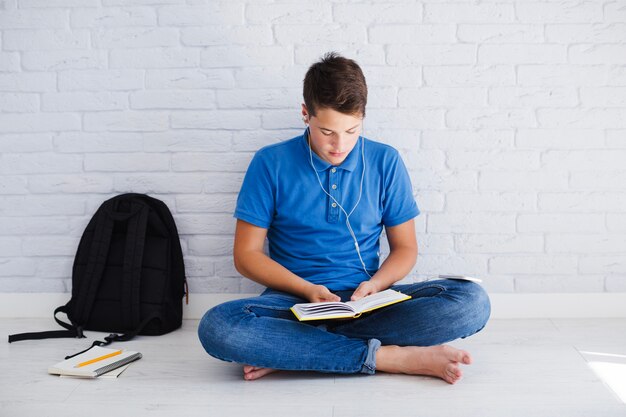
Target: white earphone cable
{"x": 356, "y": 243}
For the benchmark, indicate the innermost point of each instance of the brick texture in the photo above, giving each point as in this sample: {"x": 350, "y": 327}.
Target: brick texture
{"x": 510, "y": 116}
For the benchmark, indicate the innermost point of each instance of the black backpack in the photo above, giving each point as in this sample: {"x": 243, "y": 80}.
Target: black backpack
{"x": 128, "y": 275}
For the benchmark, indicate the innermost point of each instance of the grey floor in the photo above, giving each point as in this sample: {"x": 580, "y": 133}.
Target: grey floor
{"x": 545, "y": 367}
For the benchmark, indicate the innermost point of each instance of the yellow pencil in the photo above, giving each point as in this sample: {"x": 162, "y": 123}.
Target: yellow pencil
{"x": 89, "y": 362}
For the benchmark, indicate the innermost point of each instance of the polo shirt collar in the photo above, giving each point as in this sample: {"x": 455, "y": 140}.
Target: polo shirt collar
{"x": 348, "y": 164}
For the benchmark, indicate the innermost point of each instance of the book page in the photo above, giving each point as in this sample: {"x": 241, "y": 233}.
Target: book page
{"x": 325, "y": 306}
{"x": 374, "y": 300}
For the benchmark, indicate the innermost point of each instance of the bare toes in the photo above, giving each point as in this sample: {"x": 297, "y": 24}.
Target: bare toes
{"x": 455, "y": 370}
{"x": 458, "y": 355}
{"x": 450, "y": 378}
{"x": 252, "y": 375}
{"x": 250, "y": 368}
{"x": 256, "y": 372}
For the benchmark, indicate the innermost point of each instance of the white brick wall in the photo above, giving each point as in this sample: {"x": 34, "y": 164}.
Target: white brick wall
{"x": 510, "y": 115}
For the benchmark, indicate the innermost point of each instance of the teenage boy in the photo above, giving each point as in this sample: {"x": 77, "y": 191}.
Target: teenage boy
{"x": 322, "y": 199}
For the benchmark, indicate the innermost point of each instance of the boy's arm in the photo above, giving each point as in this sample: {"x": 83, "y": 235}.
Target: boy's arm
{"x": 252, "y": 262}
{"x": 401, "y": 259}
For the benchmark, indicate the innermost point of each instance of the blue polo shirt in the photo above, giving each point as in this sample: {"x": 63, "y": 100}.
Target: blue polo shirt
{"x": 307, "y": 232}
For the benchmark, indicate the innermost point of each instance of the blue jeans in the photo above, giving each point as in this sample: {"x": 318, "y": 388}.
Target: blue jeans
{"x": 262, "y": 331}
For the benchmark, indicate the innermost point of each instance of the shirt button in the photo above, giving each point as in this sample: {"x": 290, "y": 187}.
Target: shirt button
{"x": 333, "y": 170}
{"x": 334, "y": 205}
{"x": 334, "y": 187}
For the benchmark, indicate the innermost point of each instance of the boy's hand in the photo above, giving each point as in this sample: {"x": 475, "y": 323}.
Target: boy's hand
{"x": 320, "y": 293}
{"x": 366, "y": 288}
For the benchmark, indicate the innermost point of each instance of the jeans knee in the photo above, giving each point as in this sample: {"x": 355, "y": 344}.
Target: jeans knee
{"x": 215, "y": 330}
{"x": 480, "y": 305}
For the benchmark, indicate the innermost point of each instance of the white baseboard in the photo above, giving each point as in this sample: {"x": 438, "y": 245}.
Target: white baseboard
{"x": 503, "y": 305}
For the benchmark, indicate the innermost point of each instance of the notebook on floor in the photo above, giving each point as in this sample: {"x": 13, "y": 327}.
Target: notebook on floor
{"x": 95, "y": 362}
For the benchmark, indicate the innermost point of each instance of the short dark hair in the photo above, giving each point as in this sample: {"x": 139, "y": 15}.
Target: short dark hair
{"x": 335, "y": 82}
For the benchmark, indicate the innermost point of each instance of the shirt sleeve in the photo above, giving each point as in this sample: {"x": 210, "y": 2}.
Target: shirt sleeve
{"x": 256, "y": 202}
{"x": 399, "y": 204}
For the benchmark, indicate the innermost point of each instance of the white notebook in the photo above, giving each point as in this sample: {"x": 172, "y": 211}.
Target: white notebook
{"x": 95, "y": 362}
{"x": 109, "y": 375}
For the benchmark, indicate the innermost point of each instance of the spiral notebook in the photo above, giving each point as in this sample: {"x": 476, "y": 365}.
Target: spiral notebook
{"x": 95, "y": 362}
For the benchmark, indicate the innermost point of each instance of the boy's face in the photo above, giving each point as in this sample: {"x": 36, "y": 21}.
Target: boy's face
{"x": 333, "y": 134}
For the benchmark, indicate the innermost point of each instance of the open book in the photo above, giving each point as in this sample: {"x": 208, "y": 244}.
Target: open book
{"x": 349, "y": 309}
{"x": 94, "y": 362}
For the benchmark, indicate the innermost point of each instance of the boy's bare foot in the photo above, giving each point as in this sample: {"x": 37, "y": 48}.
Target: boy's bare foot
{"x": 441, "y": 361}
{"x": 255, "y": 372}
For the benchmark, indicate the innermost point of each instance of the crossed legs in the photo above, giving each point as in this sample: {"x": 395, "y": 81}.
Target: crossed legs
{"x": 407, "y": 337}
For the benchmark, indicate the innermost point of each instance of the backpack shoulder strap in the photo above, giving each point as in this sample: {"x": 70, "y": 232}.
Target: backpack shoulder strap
{"x": 113, "y": 337}
{"x": 72, "y": 331}
{"x": 133, "y": 258}
{"x": 176, "y": 256}
{"x": 95, "y": 266}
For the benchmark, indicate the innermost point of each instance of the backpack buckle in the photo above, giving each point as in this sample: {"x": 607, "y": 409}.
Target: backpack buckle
{"x": 111, "y": 338}
{"x": 79, "y": 332}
